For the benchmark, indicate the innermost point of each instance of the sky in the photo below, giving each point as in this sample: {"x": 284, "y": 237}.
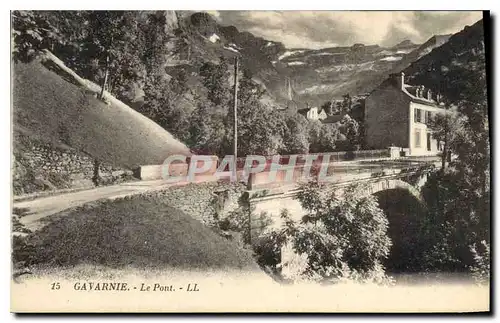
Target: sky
{"x": 320, "y": 29}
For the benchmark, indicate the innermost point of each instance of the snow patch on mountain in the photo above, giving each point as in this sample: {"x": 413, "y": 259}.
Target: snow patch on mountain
{"x": 326, "y": 54}
{"x": 385, "y": 53}
{"x": 348, "y": 67}
{"x": 391, "y": 58}
{"x": 295, "y": 63}
{"x": 403, "y": 51}
{"x": 290, "y": 53}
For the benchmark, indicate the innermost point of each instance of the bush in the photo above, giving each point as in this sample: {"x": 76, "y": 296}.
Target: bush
{"x": 481, "y": 268}
{"x": 337, "y": 238}
{"x": 22, "y": 250}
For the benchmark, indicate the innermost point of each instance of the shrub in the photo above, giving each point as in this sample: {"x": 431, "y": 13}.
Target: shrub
{"x": 337, "y": 238}
{"x": 481, "y": 268}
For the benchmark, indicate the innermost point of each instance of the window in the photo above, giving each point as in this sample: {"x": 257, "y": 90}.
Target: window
{"x": 428, "y": 142}
{"x": 418, "y": 115}
{"x": 428, "y": 117}
{"x": 417, "y": 138}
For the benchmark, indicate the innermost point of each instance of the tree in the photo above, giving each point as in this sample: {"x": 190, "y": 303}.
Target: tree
{"x": 445, "y": 129}
{"x": 314, "y": 131}
{"x": 260, "y": 128}
{"x": 70, "y": 33}
{"x": 103, "y": 46}
{"x": 460, "y": 194}
{"x": 159, "y": 106}
{"x": 113, "y": 49}
{"x": 249, "y": 92}
{"x": 346, "y": 103}
{"x": 31, "y": 32}
{"x": 207, "y": 131}
{"x": 350, "y": 129}
{"x": 328, "y": 136}
{"x": 215, "y": 80}
{"x": 295, "y": 136}
{"x": 155, "y": 43}
{"x": 339, "y": 237}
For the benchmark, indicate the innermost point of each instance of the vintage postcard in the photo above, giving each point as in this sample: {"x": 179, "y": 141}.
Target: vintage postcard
{"x": 250, "y": 161}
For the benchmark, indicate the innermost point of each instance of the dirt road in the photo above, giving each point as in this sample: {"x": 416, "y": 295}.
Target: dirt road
{"x": 42, "y": 207}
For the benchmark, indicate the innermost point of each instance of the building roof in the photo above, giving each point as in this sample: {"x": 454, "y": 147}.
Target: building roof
{"x": 303, "y": 111}
{"x": 333, "y": 118}
{"x": 410, "y": 91}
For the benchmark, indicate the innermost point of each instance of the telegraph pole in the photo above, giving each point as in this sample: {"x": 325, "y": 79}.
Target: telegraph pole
{"x": 235, "y": 112}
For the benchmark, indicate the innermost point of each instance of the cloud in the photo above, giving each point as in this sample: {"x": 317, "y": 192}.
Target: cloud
{"x": 317, "y": 29}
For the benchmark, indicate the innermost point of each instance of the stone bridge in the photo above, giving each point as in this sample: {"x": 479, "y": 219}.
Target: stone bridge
{"x": 268, "y": 199}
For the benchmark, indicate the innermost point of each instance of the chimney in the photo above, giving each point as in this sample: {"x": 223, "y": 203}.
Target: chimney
{"x": 429, "y": 94}
{"x": 399, "y": 79}
{"x": 420, "y": 91}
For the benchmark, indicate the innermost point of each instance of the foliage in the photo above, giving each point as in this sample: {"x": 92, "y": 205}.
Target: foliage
{"x": 337, "y": 238}
{"x": 207, "y": 131}
{"x": 328, "y": 137}
{"x": 22, "y": 250}
{"x": 215, "y": 79}
{"x": 452, "y": 225}
{"x": 314, "y": 133}
{"x": 459, "y": 202}
{"x": 94, "y": 43}
{"x": 159, "y": 106}
{"x": 350, "y": 130}
{"x": 446, "y": 128}
{"x": 155, "y": 43}
{"x": 31, "y": 31}
{"x": 129, "y": 47}
{"x": 295, "y": 136}
{"x": 260, "y": 128}
{"x": 114, "y": 45}
{"x": 482, "y": 259}
{"x": 239, "y": 220}
{"x": 339, "y": 107}
{"x": 459, "y": 196}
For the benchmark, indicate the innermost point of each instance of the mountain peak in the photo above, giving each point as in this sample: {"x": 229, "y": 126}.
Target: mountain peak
{"x": 404, "y": 43}
{"x": 440, "y": 38}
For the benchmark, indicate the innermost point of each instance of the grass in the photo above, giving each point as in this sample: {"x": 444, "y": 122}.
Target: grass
{"x": 48, "y": 107}
{"x": 134, "y": 232}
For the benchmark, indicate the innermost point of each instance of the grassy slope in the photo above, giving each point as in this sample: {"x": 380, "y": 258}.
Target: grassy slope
{"x": 54, "y": 109}
{"x": 134, "y": 232}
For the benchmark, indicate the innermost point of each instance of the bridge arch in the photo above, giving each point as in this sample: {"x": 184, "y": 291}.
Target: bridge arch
{"x": 406, "y": 211}
{"x": 394, "y": 183}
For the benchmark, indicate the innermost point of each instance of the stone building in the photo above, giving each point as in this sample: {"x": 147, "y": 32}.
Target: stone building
{"x": 397, "y": 114}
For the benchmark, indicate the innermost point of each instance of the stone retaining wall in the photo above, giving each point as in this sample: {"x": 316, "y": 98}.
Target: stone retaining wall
{"x": 206, "y": 202}
{"x": 42, "y": 167}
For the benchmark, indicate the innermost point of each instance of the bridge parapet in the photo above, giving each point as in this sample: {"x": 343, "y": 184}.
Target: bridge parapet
{"x": 273, "y": 199}
{"x": 335, "y": 172}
